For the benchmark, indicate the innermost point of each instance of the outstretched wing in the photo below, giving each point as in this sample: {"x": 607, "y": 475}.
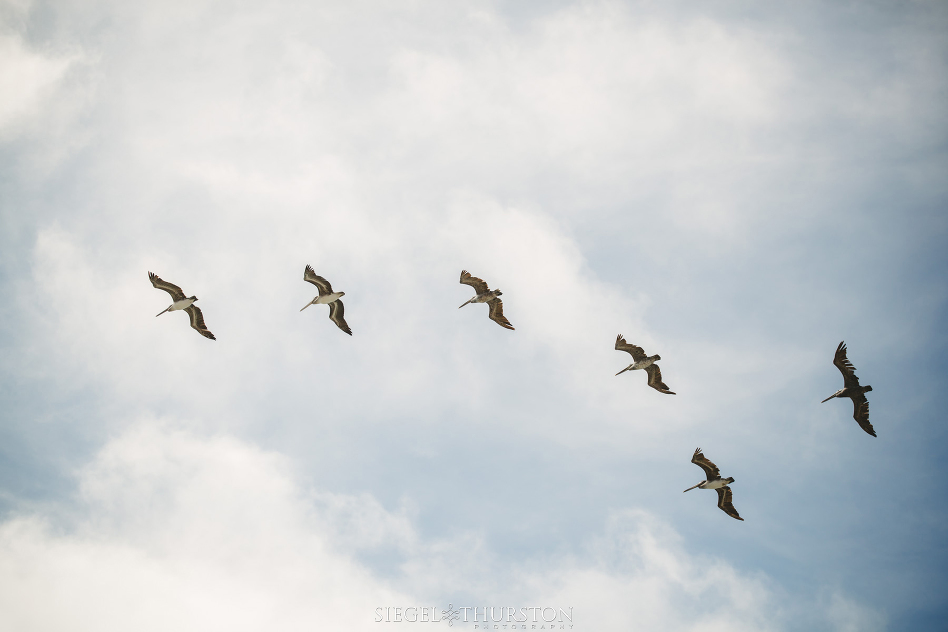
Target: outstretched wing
{"x": 638, "y": 353}
{"x": 337, "y": 312}
{"x": 170, "y": 288}
{"x": 845, "y": 367}
{"x": 655, "y": 379}
{"x": 711, "y": 470}
{"x": 479, "y": 286}
{"x": 310, "y": 275}
{"x": 725, "y": 503}
{"x": 197, "y": 321}
{"x": 497, "y": 313}
{"x": 861, "y": 413}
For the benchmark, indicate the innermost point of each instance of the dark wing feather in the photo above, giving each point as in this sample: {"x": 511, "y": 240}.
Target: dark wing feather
{"x": 310, "y": 275}
{"x": 655, "y": 379}
{"x": 638, "y": 353}
{"x": 337, "y": 312}
{"x": 479, "y": 286}
{"x": 176, "y": 293}
{"x": 711, "y": 470}
{"x": 497, "y": 313}
{"x": 725, "y": 502}
{"x": 197, "y": 321}
{"x": 861, "y": 413}
{"x": 845, "y": 367}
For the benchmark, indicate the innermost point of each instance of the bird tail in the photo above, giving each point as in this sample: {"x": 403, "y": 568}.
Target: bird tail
{"x": 867, "y": 389}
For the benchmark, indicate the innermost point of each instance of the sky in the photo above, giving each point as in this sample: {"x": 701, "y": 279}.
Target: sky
{"x": 735, "y": 186}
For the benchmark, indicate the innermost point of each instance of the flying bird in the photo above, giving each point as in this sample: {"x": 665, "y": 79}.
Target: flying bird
{"x": 714, "y": 481}
{"x": 485, "y": 295}
{"x": 852, "y": 390}
{"x": 182, "y": 302}
{"x": 643, "y": 361}
{"x": 327, "y": 297}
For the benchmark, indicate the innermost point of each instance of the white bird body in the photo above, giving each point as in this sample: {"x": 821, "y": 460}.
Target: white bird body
{"x": 483, "y": 298}
{"x": 641, "y": 364}
{"x": 182, "y": 304}
{"x": 325, "y": 299}
{"x": 721, "y": 482}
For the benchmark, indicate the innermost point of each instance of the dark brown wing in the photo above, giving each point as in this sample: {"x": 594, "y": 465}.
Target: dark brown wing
{"x": 336, "y": 314}
{"x": 711, "y": 470}
{"x": 638, "y": 353}
{"x": 725, "y": 503}
{"x": 197, "y": 321}
{"x": 497, "y": 313}
{"x": 655, "y": 379}
{"x": 310, "y": 275}
{"x": 479, "y": 286}
{"x": 845, "y": 367}
{"x": 861, "y": 413}
{"x": 176, "y": 293}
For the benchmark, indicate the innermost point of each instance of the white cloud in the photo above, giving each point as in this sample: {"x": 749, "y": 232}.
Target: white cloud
{"x": 172, "y": 531}
{"x": 27, "y": 78}
{"x": 45, "y": 84}
{"x": 184, "y": 534}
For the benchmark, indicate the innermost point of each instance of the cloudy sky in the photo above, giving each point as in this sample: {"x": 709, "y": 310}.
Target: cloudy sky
{"x": 734, "y": 185}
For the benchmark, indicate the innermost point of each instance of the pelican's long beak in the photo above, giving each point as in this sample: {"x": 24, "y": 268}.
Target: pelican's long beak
{"x": 307, "y": 305}
{"x": 460, "y": 306}
{"x": 623, "y": 370}
{"x": 829, "y": 398}
{"x": 690, "y": 488}
{"x": 163, "y": 311}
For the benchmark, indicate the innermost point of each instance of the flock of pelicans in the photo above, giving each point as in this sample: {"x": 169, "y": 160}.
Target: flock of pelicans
{"x": 713, "y": 479}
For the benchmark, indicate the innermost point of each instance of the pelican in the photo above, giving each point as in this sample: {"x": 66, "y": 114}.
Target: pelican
{"x": 182, "y": 302}
{"x": 852, "y": 390}
{"x": 326, "y": 296}
{"x": 715, "y": 482}
{"x": 485, "y": 295}
{"x": 643, "y": 361}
